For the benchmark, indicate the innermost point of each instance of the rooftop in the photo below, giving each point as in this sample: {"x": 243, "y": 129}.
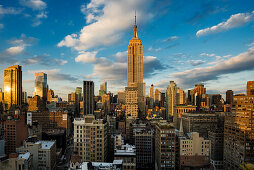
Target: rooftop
{"x": 24, "y": 156}
{"x": 127, "y": 149}
{"x": 46, "y": 144}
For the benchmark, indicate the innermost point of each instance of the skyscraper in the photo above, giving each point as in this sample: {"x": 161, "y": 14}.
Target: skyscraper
{"x": 103, "y": 89}
{"x": 1, "y": 96}
{"x": 135, "y": 67}
{"x": 40, "y": 85}
{"x": 88, "y": 97}
{"x": 13, "y": 86}
{"x": 229, "y": 96}
{"x": 79, "y": 93}
{"x": 181, "y": 97}
{"x": 171, "y": 101}
{"x": 157, "y": 96}
{"x": 250, "y": 88}
{"x": 151, "y": 92}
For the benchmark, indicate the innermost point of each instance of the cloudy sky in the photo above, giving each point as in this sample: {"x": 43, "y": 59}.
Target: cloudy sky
{"x": 185, "y": 41}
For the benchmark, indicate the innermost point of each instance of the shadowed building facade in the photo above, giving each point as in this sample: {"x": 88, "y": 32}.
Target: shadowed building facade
{"x": 13, "y": 86}
{"x": 88, "y": 97}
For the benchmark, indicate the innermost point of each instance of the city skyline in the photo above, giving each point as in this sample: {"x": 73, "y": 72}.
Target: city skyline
{"x": 212, "y": 44}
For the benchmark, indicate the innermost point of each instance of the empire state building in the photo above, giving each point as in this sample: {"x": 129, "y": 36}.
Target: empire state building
{"x": 135, "y": 60}
{"x": 135, "y": 87}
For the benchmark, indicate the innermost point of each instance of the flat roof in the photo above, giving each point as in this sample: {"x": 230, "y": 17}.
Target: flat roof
{"x": 24, "y": 156}
{"x": 46, "y": 144}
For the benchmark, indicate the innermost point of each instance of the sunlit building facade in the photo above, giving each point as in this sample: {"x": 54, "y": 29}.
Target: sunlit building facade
{"x": 40, "y": 85}
{"x": 135, "y": 67}
{"x": 13, "y": 86}
{"x": 171, "y": 101}
{"x": 239, "y": 131}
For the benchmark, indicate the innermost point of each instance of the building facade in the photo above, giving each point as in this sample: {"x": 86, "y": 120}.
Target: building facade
{"x": 165, "y": 146}
{"x": 13, "y": 86}
{"x": 131, "y": 102}
{"x": 90, "y": 138}
{"x": 88, "y": 97}
{"x": 171, "y": 101}
{"x": 194, "y": 151}
{"x": 41, "y": 85}
{"x": 239, "y": 131}
{"x": 135, "y": 67}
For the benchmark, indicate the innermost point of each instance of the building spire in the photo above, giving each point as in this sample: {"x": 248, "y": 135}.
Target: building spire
{"x": 135, "y": 27}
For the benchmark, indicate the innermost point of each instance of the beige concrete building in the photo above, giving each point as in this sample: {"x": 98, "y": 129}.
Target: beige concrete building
{"x": 180, "y": 97}
{"x": 13, "y": 86}
{"x": 90, "y": 138}
{"x": 131, "y": 100}
{"x": 171, "y": 101}
{"x": 194, "y": 151}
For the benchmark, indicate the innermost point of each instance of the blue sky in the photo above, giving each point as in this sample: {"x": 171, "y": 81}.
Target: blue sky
{"x": 185, "y": 41}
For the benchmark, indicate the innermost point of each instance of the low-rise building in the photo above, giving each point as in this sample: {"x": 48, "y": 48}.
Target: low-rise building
{"x": 44, "y": 153}
{"x": 194, "y": 151}
{"x": 17, "y": 162}
{"x": 127, "y": 153}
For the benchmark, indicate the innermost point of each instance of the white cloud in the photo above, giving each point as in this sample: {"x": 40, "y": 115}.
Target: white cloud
{"x": 44, "y": 59}
{"x": 1, "y": 26}
{"x": 196, "y": 62}
{"x": 15, "y": 50}
{"x": 86, "y": 57}
{"x": 251, "y": 44}
{"x": 171, "y": 39}
{"x": 110, "y": 19}
{"x": 207, "y": 55}
{"x": 9, "y": 10}
{"x": 34, "y": 4}
{"x": 151, "y": 49}
{"x": 241, "y": 62}
{"x": 42, "y": 14}
{"x": 121, "y": 56}
{"x": 83, "y": 9}
{"x": 235, "y": 20}
{"x": 23, "y": 40}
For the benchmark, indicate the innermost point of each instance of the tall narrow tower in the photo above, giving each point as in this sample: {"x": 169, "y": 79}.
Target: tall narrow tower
{"x": 41, "y": 86}
{"x": 135, "y": 83}
{"x": 135, "y": 60}
{"x": 13, "y": 86}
